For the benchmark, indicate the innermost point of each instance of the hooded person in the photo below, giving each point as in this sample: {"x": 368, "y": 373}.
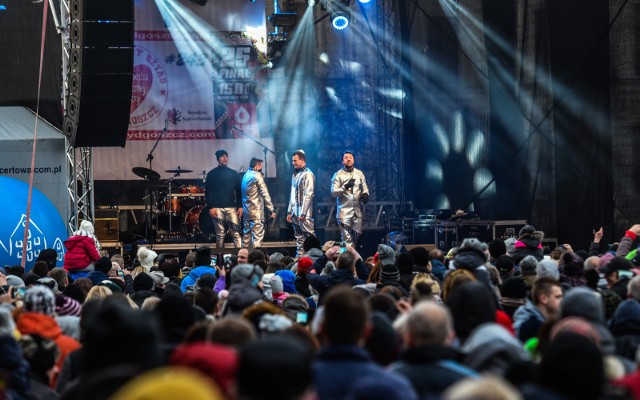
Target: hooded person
{"x": 471, "y": 305}
{"x": 586, "y": 303}
{"x": 529, "y": 243}
{"x": 490, "y": 348}
{"x": 81, "y": 251}
{"x": 41, "y": 355}
{"x": 202, "y": 265}
{"x": 245, "y": 288}
{"x": 471, "y": 256}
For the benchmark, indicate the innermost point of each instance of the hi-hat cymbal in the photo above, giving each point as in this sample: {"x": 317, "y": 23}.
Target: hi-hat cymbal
{"x": 146, "y": 173}
{"x": 179, "y": 171}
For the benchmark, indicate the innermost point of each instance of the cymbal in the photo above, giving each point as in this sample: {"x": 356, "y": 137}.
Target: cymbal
{"x": 146, "y": 173}
{"x": 179, "y": 171}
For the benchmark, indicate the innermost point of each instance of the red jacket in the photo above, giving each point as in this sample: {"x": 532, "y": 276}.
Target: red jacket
{"x": 35, "y": 323}
{"x": 81, "y": 251}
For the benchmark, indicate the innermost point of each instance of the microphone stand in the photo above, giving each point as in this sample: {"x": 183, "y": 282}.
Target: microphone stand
{"x": 148, "y": 228}
{"x": 265, "y": 149}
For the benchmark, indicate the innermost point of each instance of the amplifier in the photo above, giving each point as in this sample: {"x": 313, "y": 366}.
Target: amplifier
{"x": 507, "y": 229}
{"x": 424, "y": 232}
{"x": 107, "y": 225}
{"x": 447, "y": 235}
{"x": 481, "y": 230}
{"x": 548, "y": 244}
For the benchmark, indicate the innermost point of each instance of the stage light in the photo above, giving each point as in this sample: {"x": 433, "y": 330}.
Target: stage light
{"x": 283, "y": 19}
{"x": 312, "y": 2}
{"x": 340, "y": 20}
{"x": 364, "y": 1}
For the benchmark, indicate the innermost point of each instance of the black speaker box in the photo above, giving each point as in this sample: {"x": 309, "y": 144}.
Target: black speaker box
{"x": 101, "y": 87}
{"x": 101, "y": 61}
{"x": 95, "y": 10}
{"x": 424, "y": 233}
{"x": 86, "y": 135}
{"x": 102, "y": 34}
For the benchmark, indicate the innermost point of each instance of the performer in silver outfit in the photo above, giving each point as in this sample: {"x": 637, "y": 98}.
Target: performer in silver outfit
{"x": 222, "y": 193}
{"x": 300, "y": 210}
{"x": 349, "y": 187}
{"x": 255, "y": 196}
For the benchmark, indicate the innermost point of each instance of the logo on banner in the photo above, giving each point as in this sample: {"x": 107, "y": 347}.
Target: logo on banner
{"x": 46, "y": 228}
{"x": 150, "y": 88}
{"x": 244, "y": 117}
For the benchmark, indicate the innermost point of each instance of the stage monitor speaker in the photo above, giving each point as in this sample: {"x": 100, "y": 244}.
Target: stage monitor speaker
{"x": 481, "y": 230}
{"x": 369, "y": 240}
{"x": 447, "y": 234}
{"x": 101, "y": 10}
{"x": 107, "y": 230}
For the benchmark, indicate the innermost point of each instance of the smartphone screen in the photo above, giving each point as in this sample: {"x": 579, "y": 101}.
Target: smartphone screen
{"x": 214, "y": 261}
{"x": 301, "y": 318}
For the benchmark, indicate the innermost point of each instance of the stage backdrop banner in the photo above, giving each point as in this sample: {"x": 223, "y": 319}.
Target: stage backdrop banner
{"x": 195, "y": 88}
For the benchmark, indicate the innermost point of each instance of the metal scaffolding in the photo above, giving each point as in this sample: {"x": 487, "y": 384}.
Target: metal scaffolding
{"x": 80, "y": 165}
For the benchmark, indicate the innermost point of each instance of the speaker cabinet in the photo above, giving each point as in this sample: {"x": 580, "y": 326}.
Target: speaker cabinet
{"x": 100, "y": 76}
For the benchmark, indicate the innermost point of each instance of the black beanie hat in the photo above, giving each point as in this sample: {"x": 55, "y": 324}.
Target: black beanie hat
{"x": 142, "y": 281}
{"x": 203, "y": 256}
{"x": 103, "y": 265}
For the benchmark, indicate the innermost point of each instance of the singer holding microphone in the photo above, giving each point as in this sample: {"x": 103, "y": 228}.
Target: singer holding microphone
{"x": 349, "y": 187}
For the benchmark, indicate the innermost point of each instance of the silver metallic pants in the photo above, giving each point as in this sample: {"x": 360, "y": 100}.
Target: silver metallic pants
{"x": 302, "y": 230}
{"x": 349, "y": 230}
{"x": 230, "y": 216}
{"x": 253, "y": 233}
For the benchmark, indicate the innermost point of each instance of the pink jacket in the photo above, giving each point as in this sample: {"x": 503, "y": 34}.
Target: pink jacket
{"x": 81, "y": 251}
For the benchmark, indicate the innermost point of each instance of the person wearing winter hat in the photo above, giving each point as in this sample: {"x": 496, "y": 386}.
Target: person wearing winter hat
{"x": 50, "y": 283}
{"x": 217, "y": 362}
{"x": 547, "y": 268}
{"x": 146, "y": 257}
{"x": 529, "y": 243}
{"x": 277, "y": 292}
{"x": 67, "y": 306}
{"x": 81, "y": 251}
{"x": 301, "y": 283}
{"x": 101, "y": 270}
{"x": 346, "y": 264}
{"x": 505, "y": 266}
{"x": 386, "y": 255}
{"x": 245, "y": 289}
{"x": 143, "y": 281}
{"x": 202, "y": 265}
{"x": 41, "y": 354}
{"x": 528, "y": 270}
{"x": 224, "y": 200}
{"x": 288, "y": 279}
{"x": 37, "y": 318}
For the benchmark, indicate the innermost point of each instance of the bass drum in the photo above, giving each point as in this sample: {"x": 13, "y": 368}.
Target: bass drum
{"x": 199, "y": 224}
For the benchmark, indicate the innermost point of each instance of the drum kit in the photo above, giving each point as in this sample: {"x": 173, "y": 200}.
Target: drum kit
{"x": 178, "y": 211}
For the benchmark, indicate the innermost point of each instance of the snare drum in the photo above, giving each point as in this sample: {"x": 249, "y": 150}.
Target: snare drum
{"x": 198, "y": 222}
{"x": 192, "y": 189}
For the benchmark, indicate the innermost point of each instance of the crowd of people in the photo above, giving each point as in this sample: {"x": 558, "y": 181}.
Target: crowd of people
{"x": 498, "y": 320}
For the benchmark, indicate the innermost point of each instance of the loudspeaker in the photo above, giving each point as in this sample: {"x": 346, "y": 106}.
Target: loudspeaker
{"x": 102, "y": 34}
{"x": 98, "y": 101}
{"x": 368, "y": 242}
{"x": 101, "y": 61}
{"x": 107, "y": 229}
{"x": 94, "y": 10}
{"x": 424, "y": 233}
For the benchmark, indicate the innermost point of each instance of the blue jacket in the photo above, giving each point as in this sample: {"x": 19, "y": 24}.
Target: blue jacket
{"x": 97, "y": 277}
{"x": 347, "y": 371}
{"x": 194, "y": 275}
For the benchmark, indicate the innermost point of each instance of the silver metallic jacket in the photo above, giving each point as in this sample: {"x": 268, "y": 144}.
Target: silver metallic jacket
{"x": 255, "y": 196}
{"x": 348, "y": 200}
{"x": 301, "y": 200}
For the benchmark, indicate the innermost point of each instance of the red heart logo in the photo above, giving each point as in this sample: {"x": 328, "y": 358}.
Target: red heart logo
{"x": 142, "y": 80}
